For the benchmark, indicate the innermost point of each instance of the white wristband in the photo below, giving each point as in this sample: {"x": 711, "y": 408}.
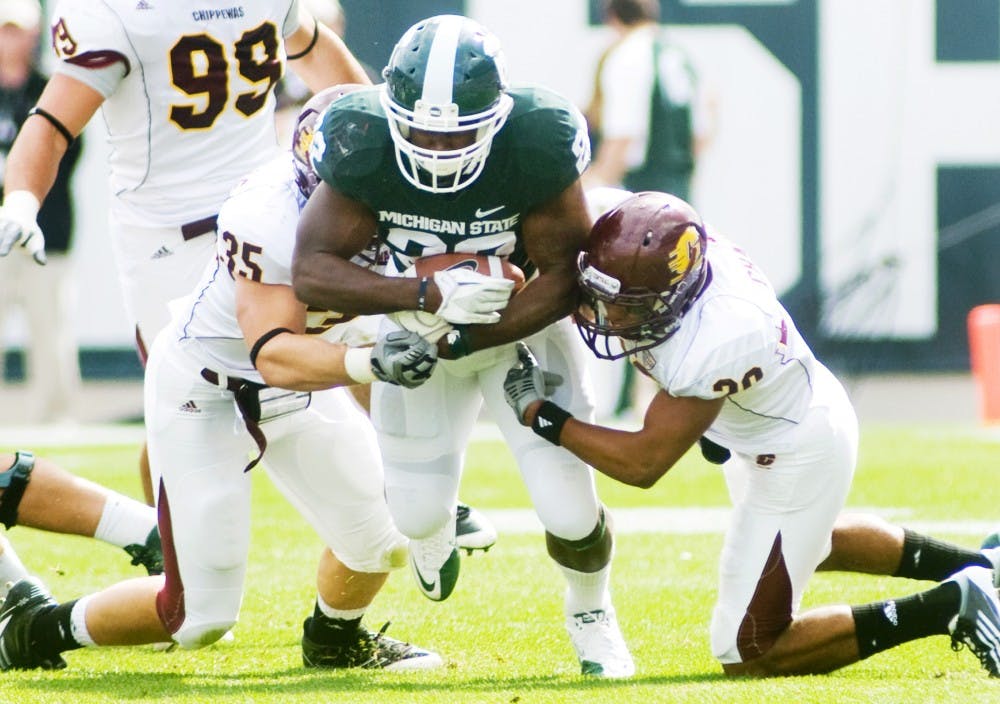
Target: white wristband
{"x": 22, "y": 205}
{"x": 358, "y": 364}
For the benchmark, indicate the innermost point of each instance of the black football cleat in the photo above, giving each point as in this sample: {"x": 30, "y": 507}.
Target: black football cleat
{"x": 26, "y": 599}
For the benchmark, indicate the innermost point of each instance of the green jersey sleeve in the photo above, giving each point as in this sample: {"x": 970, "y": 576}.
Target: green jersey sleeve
{"x": 548, "y": 135}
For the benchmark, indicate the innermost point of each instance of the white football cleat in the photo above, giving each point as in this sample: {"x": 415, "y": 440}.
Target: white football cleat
{"x": 435, "y": 563}
{"x": 599, "y": 644}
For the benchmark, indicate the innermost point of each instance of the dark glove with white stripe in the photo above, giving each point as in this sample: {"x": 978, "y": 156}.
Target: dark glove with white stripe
{"x": 526, "y": 382}
{"x": 404, "y": 358}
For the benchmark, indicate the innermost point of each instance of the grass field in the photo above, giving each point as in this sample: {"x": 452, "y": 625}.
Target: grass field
{"x": 501, "y": 632}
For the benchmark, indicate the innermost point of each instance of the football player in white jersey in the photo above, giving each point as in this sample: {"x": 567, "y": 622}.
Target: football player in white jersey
{"x": 691, "y": 310}
{"x": 242, "y": 352}
{"x": 186, "y": 93}
{"x": 186, "y": 90}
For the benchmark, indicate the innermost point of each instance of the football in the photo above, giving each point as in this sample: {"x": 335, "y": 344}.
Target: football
{"x": 432, "y": 326}
{"x": 480, "y": 263}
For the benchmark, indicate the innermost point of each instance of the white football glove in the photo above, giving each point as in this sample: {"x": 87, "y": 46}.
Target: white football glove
{"x": 430, "y": 326}
{"x": 526, "y": 382}
{"x": 19, "y": 226}
{"x": 468, "y": 297}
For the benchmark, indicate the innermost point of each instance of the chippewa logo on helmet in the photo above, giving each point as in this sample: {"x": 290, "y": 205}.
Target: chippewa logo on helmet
{"x": 643, "y": 268}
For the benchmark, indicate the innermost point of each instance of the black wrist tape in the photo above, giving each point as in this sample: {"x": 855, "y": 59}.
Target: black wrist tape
{"x": 422, "y": 293}
{"x": 549, "y": 421}
{"x": 458, "y": 342}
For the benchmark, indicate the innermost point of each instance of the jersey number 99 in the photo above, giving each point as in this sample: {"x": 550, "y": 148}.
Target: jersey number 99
{"x": 199, "y": 67}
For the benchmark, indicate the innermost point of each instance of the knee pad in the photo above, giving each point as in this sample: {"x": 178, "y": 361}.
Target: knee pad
{"x": 588, "y": 541}
{"x": 13, "y": 482}
{"x": 387, "y": 556}
{"x": 417, "y": 521}
{"x": 199, "y": 635}
{"x": 421, "y": 494}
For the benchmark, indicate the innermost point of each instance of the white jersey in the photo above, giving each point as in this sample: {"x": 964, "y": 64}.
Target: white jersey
{"x": 256, "y": 240}
{"x": 194, "y": 110}
{"x": 738, "y": 341}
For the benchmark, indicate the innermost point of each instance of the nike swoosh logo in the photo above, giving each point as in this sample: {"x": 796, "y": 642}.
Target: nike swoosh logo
{"x": 429, "y": 587}
{"x": 480, "y": 213}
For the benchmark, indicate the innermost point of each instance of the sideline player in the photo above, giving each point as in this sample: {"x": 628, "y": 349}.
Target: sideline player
{"x": 695, "y": 314}
{"x": 446, "y": 157}
{"x": 242, "y": 350}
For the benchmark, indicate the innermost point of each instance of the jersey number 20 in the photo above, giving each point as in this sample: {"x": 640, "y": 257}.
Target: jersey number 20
{"x": 199, "y": 67}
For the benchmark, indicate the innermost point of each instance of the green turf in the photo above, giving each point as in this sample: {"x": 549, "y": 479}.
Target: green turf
{"x": 501, "y": 632}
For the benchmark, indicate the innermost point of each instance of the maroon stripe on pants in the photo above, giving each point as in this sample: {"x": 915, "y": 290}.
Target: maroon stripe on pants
{"x": 170, "y": 600}
{"x": 770, "y": 610}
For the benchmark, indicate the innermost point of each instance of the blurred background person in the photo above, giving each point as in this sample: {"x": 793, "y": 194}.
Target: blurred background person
{"x": 647, "y": 125}
{"x": 44, "y": 295}
{"x": 292, "y": 93}
{"x": 647, "y": 116}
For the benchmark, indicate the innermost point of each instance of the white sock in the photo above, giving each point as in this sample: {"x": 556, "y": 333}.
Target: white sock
{"x": 125, "y": 521}
{"x": 339, "y": 614}
{"x": 11, "y": 567}
{"x": 78, "y": 622}
{"x": 586, "y": 591}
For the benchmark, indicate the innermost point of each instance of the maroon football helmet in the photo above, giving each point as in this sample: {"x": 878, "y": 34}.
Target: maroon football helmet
{"x": 306, "y": 124}
{"x": 643, "y": 268}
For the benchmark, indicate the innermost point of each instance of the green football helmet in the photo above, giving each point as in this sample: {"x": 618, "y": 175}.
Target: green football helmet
{"x": 447, "y": 74}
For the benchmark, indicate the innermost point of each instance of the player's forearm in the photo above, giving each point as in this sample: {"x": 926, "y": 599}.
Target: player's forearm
{"x": 328, "y": 282}
{"x": 303, "y": 363}
{"x": 615, "y": 453}
{"x": 328, "y": 63}
{"x": 34, "y": 159}
{"x": 543, "y": 301}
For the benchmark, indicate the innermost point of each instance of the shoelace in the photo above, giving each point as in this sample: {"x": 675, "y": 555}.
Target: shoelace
{"x": 964, "y": 638}
{"x": 376, "y": 641}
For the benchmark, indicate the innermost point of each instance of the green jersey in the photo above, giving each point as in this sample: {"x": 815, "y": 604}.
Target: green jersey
{"x": 540, "y": 151}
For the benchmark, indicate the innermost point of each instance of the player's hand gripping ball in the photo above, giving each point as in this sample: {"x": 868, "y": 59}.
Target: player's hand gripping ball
{"x": 463, "y": 270}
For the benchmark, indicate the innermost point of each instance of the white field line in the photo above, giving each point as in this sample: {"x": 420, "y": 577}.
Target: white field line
{"x": 702, "y": 520}
{"x": 91, "y": 434}
{"x": 682, "y": 521}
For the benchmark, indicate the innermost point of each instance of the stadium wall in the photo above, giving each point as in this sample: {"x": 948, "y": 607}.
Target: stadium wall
{"x": 855, "y": 156}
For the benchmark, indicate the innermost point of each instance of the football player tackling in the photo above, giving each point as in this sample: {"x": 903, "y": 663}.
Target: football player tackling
{"x": 233, "y": 373}
{"x": 187, "y": 97}
{"x": 447, "y": 157}
{"x": 692, "y": 312}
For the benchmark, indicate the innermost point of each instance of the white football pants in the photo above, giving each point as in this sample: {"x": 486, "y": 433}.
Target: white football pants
{"x": 325, "y": 462}
{"x": 423, "y": 433}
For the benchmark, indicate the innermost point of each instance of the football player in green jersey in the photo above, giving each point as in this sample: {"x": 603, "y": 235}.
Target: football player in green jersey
{"x": 445, "y": 156}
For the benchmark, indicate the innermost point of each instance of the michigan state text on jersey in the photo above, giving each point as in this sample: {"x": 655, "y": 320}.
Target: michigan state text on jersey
{"x": 539, "y": 152}
{"x": 447, "y": 157}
